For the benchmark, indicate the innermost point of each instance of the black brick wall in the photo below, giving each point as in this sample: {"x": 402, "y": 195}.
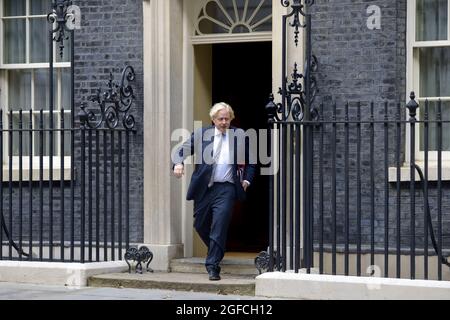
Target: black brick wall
{"x": 111, "y": 37}
{"x": 357, "y": 63}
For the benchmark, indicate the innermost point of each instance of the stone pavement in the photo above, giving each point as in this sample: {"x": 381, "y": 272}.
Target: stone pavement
{"x": 15, "y": 291}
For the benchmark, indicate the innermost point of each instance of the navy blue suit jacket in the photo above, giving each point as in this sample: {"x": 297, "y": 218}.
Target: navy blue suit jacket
{"x": 198, "y": 143}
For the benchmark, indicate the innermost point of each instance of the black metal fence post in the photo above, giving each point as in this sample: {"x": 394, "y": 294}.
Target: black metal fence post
{"x": 412, "y": 107}
{"x": 90, "y": 194}
{"x": 298, "y": 189}
{"x": 334, "y": 193}
{"x": 83, "y": 124}
{"x": 105, "y": 199}
{"x": 10, "y": 183}
{"x": 120, "y": 191}
{"x": 61, "y": 186}
{"x": 347, "y": 192}
{"x": 20, "y": 181}
{"x": 398, "y": 189}
{"x": 97, "y": 195}
{"x": 372, "y": 185}
{"x": 41, "y": 185}
{"x": 358, "y": 193}
{"x": 425, "y": 191}
{"x": 439, "y": 187}
{"x": 30, "y": 187}
{"x": 386, "y": 191}
{"x": 321, "y": 191}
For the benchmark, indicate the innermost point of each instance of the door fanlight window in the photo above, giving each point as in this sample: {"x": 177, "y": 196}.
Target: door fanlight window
{"x": 234, "y": 17}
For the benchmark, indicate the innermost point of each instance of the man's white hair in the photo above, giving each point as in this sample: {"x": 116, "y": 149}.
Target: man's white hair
{"x": 221, "y": 106}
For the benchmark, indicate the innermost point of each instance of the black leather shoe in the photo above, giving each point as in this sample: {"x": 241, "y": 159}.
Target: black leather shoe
{"x": 213, "y": 275}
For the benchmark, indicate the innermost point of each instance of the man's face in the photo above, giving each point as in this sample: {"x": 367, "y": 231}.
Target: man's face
{"x": 222, "y": 120}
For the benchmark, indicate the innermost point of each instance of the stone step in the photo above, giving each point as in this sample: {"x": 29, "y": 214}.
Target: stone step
{"x": 231, "y": 266}
{"x": 229, "y": 285}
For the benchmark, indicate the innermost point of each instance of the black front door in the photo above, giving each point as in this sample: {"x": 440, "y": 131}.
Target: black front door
{"x": 242, "y": 77}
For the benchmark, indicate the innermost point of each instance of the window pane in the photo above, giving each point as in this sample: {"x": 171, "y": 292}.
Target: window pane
{"x": 19, "y": 89}
{"x": 434, "y": 72}
{"x": 67, "y": 120}
{"x": 45, "y": 144}
{"x": 65, "y": 90}
{"x": 14, "y": 41}
{"x": 215, "y": 12}
{"x": 209, "y": 27}
{"x": 431, "y": 20}
{"x": 25, "y": 135}
{"x": 432, "y": 131}
{"x": 14, "y": 8}
{"x": 41, "y": 89}
{"x": 40, "y": 7}
{"x": 262, "y": 20}
{"x": 39, "y": 40}
{"x": 265, "y": 26}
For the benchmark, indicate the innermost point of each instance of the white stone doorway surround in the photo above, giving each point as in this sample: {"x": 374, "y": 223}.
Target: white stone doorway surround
{"x": 168, "y": 105}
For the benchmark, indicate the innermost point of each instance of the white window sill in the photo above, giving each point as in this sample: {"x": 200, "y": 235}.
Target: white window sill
{"x": 405, "y": 173}
{"x": 36, "y": 172}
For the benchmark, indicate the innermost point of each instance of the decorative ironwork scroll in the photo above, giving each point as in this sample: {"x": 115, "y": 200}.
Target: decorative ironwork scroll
{"x": 114, "y": 104}
{"x": 262, "y": 261}
{"x": 138, "y": 256}
{"x": 296, "y": 95}
{"x": 65, "y": 17}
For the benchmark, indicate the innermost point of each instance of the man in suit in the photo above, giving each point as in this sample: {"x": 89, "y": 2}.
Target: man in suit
{"x": 217, "y": 181}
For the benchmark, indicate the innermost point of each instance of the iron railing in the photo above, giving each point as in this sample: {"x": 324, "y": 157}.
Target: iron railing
{"x": 78, "y": 211}
{"x": 372, "y": 201}
{"x": 348, "y": 186}
{"x": 83, "y": 214}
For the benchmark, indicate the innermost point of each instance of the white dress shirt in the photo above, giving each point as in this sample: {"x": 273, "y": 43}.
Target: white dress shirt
{"x": 224, "y": 165}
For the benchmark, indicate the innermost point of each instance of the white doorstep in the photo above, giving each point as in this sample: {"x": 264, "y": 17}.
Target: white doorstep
{"x": 326, "y": 287}
{"x": 56, "y": 273}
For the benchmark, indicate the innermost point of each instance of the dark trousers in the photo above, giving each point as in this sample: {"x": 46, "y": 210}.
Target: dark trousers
{"x": 212, "y": 219}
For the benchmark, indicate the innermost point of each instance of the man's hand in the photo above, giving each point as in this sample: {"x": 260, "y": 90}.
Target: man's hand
{"x": 245, "y": 185}
{"x": 178, "y": 170}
